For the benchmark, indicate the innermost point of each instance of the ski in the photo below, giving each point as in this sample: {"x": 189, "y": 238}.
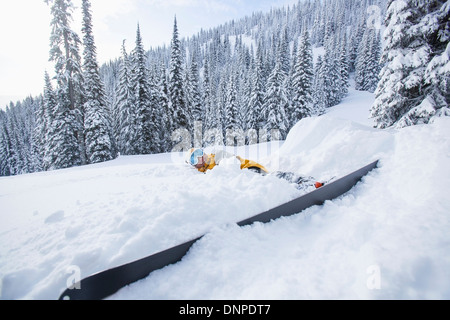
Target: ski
{"x": 317, "y": 197}
{"x": 104, "y": 284}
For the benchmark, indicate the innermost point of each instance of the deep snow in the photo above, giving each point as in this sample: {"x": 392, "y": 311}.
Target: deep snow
{"x": 386, "y": 239}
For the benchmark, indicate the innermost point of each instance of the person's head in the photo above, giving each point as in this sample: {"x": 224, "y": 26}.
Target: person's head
{"x": 196, "y": 157}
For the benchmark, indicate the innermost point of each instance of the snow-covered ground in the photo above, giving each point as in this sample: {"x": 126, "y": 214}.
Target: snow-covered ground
{"x": 388, "y": 238}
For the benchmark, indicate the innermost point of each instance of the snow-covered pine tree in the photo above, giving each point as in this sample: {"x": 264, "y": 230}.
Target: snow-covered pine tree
{"x": 290, "y": 80}
{"x": 16, "y": 134}
{"x": 125, "y": 107}
{"x": 344, "y": 64}
{"x": 49, "y": 105}
{"x": 68, "y": 140}
{"x": 302, "y": 78}
{"x": 357, "y": 34}
{"x": 212, "y": 124}
{"x": 176, "y": 91}
{"x": 399, "y": 82}
{"x": 147, "y": 133}
{"x": 360, "y": 62}
{"x": 416, "y": 33}
{"x": 193, "y": 90}
{"x": 319, "y": 94}
{"x": 318, "y": 30}
{"x": 243, "y": 83}
{"x": 20, "y": 119}
{"x": 332, "y": 72}
{"x": 39, "y": 131}
{"x": 5, "y": 169}
{"x": 209, "y": 119}
{"x": 437, "y": 74}
{"x": 374, "y": 61}
{"x": 32, "y": 150}
{"x": 157, "y": 109}
{"x": 367, "y": 66}
{"x": 232, "y": 119}
{"x": 276, "y": 99}
{"x": 97, "y": 123}
{"x": 13, "y": 145}
{"x": 256, "y": 100}
{"x": 284, "y": 51}
{"x": 166, "y": 126}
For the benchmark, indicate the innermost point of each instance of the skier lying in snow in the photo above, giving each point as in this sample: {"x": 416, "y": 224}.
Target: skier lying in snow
{"x": 203, "y": 162}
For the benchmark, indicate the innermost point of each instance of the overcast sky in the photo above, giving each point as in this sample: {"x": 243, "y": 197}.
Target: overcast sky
{"x": 25, "y": 32}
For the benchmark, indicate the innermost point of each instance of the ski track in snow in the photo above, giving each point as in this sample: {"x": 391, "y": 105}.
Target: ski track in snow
{"x": 385, "y": 239}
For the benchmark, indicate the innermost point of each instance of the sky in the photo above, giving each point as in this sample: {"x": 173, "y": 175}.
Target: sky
{"x": 25, "y": 32}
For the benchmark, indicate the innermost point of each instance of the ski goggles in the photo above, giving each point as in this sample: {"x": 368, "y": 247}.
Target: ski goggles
{"x": 195, "y": 155}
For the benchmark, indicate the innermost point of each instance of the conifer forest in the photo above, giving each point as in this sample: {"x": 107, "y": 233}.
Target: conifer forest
{"x": 237, "y": 83}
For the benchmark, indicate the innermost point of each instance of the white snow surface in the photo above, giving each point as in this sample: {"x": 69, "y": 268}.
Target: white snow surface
{"x": 388, "y": 238}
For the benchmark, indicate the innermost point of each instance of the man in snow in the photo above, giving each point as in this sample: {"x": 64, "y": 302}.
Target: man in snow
{"x": 203, "y": 162}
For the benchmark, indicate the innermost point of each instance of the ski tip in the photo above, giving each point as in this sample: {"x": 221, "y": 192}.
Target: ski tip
{"x": 319, "y": 184}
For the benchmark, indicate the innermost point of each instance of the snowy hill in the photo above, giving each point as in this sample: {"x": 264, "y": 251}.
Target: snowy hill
{"x": 385, "y": 239}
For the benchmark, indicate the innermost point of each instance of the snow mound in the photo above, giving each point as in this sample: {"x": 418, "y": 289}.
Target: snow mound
{"x": 330, "y": 146}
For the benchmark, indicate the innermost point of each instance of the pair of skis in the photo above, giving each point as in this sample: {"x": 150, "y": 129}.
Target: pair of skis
{"x": 103, "y": 284}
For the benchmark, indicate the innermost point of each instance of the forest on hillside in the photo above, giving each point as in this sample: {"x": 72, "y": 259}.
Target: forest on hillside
{"x": 246, "y": 81}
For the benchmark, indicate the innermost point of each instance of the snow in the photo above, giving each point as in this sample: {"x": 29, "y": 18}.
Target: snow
{"x": 385, "y": 239}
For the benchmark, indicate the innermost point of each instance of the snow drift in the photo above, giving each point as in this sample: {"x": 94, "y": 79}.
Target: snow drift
{"x": 385, "y": 239}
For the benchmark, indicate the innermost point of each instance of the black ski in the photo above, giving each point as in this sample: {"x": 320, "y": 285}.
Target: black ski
{"x": 108, "y": 282}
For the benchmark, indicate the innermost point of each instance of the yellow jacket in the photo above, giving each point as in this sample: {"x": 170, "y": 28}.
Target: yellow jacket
{"x": 211, "y": 161}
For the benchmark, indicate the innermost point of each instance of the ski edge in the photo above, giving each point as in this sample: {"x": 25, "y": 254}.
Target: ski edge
{"x": 129, "y": 273}
{"x": 315, "y": 197}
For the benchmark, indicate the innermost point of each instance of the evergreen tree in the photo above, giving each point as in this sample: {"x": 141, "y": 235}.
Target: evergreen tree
{"x": 302, "y": 82}
{"x": 97, "y": 124}
{"x": 357, "y": 35}
{"x": 276, "y": 100}
{"x": 319, "y": 94}
{"x": 232, "y": 121}
{"x": 367, "y": 66}
{"x": 166, "y": 127}
{"x": 68, "y": 140}
{"x": 344, "y": 64}
{"x": 5, "y": 146}
{"x": 126, "y": 113}
{"x": 208, "y": 102}
{"x": 39, "y": 132}
{"x": 436, "y": 77}
{"x": 194, "y": 91}
{"x": 32, "y": 145}
{"x": 49, "y": 105}
{"x": 220, "y": 102}
{"x": 332, "y": 74}
{"x": 416, "y": 38}
{"x": 147, "y": 134}
{"x": 176, "y": 91}
{"x": 284, "y": 52}
{"x": 256, "y": 100}
{"x": 14, "y": 144}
